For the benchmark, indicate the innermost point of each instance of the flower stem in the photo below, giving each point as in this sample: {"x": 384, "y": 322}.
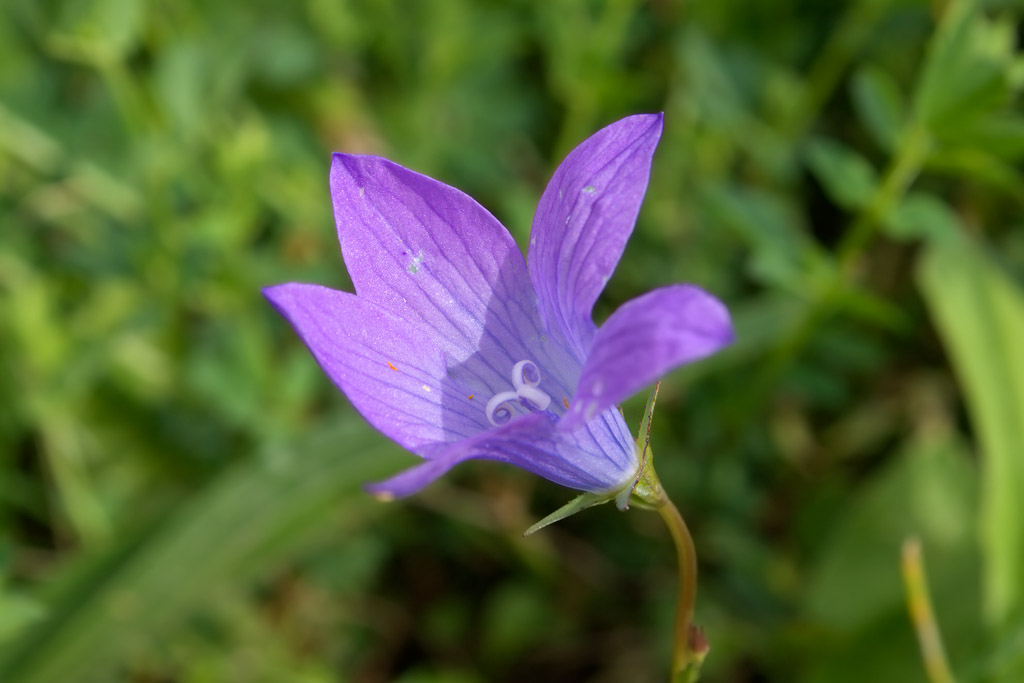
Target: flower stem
{"x": 689, "y": 647}
{"x": 683, "y": 655}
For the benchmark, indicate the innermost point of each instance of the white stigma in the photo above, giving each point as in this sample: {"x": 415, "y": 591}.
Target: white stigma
{"x": 525, "y": 378}
{"x": 525, "y": 381}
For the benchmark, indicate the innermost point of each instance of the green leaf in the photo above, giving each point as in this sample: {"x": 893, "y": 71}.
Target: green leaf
{"x": 980, "y": 166}
{"x": 922, "y": 216}
{"x": 979, "y": 313}
{"x": 967, "y": 70}
{"x": 780, "y": 251}
{"x": 848, "y": 178}
{"x": 1000, "y": 134}
{"x": 928, "y": 489}
{"x": 17, "y": 612}
{"x": 106, "y": 29}
{"x": 879, "y": 103}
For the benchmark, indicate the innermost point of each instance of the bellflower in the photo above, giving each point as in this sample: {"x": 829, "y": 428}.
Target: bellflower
{"x": 456, "y": 347}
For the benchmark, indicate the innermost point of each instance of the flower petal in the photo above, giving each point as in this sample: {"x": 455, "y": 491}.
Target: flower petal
{"x": 394, "y": 374}
{"x": 642, "y": 340}
{"x": 410, "y": 481}
{"x": 584, "y": 219}
{"x": 598, "y": 458}
{"x": 431, "y": 256}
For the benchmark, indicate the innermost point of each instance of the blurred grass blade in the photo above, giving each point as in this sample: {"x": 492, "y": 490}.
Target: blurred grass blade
{"x": 980, "y": 315}
{"x": 919, "y": 603}
{"x": 128, "y": 599}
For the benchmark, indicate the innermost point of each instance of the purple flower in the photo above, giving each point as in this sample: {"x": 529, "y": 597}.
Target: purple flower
{"x": 457, "y": 348}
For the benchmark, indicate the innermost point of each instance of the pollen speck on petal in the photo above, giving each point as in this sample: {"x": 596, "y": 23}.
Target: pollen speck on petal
{"x": 414, "y": 264}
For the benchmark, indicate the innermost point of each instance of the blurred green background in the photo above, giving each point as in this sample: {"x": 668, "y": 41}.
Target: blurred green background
{"x": 180, "y": 485}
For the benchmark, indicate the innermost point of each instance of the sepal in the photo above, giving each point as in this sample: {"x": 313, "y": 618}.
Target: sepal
{"x": 645, "y": 491}
{"x": 577, "y": 504}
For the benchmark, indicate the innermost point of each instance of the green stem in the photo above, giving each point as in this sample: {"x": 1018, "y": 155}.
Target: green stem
{"x": 906, "y": 164}
{"x": 682, "y": 655}
{"x": 689, "y": 646}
